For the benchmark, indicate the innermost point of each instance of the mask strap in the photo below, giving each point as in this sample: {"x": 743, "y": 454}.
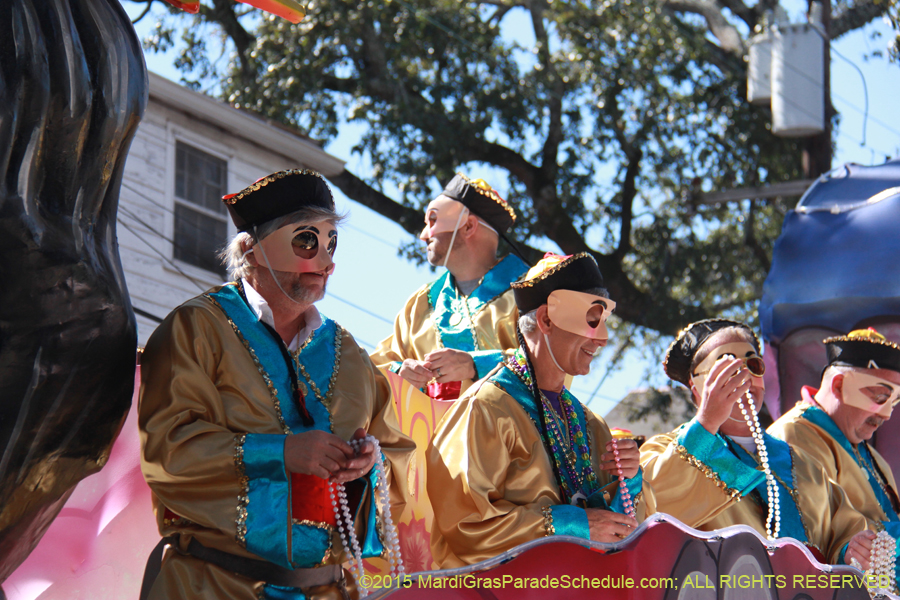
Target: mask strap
{"x": 484, "y": 224}
{"x": 550, "y": 350}
{"x": 244, "y": 255}
{"x": 453, "y": 237}
{"x": 266, "y": 258}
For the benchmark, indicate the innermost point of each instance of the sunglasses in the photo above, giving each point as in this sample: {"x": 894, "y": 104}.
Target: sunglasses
{"x": 754, "y": 364}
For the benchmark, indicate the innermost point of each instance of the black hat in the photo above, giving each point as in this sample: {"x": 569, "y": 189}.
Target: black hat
{"x": 863, "y": 348}
{"x": 482, "y": 200}
{"x": 680, "y": 355}
{"x": 277, "y": 195}
{"x": 578, "y": 272}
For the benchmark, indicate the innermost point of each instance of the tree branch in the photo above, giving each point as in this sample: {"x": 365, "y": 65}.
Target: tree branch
{"x": 629, "y": 193}
{"x": 360, "y": 191}
{"x": 741, "y": 11}
{"x": 222, "y": 13}
{"x": 728, "y": 36}
{"x": 752, "y": 242}
{"x": 550, "y": 149}
{"x": 856, "y": 16}
{"x": 143, "y": 14}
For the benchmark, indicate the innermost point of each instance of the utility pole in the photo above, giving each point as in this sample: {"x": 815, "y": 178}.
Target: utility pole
{"x": 817, "y": 153}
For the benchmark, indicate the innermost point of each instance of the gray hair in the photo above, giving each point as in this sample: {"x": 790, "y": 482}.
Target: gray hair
{"x": 528, "y": 321}
{"x": 232, "y": 255}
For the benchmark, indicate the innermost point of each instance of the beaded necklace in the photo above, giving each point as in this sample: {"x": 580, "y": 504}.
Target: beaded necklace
{"x": 573, "y": 455}
{"x": 881, "y": 576}
{"x": 341, "y": 507}
{"x": 864, "y": 464}
{"x": 773, "y": 519}
{"x": 324, "y": 399}
{"x": 627, "y": 501}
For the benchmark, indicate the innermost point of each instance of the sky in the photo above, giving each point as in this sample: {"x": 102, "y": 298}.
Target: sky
{"x": 372, "y": 282}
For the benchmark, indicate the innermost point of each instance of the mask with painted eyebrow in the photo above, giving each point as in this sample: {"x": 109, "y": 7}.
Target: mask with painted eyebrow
{"x": 443, "y": 215}
{"x": 580, "y": 313}
{"x": 870, "y": 393}
{"x": 300, "y": 248}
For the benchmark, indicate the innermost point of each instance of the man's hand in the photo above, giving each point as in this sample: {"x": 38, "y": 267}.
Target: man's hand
{"x": 360, "y": 464}
{"x": 414, "y": 371}
{"x": 727, "y": 381}
{"x": 860, "y": 548}
{"x": 629, "y": 457}
{"x": 450, "y": 365}
{"x": 316, "y": 453}
{"x": 607, "y": 526}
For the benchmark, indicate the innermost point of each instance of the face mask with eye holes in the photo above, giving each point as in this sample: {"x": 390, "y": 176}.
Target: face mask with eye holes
{"x": 580, "y": 313}
{"x": 300, "y": 248}
{"x": 870, "y": 393}
{"x": 443, "y": 215}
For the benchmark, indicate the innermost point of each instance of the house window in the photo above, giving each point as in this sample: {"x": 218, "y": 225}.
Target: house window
{"x": 201, "y": 220}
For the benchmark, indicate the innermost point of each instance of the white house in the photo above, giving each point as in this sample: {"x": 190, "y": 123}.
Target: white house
{"x": 188, "y": 152}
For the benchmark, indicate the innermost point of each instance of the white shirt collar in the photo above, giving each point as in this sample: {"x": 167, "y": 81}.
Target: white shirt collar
{"x": 261, "y": 309}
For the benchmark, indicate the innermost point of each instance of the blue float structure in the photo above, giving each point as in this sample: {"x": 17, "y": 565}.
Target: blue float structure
{"x": 835, "y": 267}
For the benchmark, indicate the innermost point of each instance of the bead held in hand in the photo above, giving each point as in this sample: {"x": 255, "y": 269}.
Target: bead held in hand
{"x": 345, "y": 521}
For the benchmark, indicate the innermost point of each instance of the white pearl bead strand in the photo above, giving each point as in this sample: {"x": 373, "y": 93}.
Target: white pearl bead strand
{"x": 344, "y": 520}
{"x": 883, "y": 565}
{"x": 771, "y": 485}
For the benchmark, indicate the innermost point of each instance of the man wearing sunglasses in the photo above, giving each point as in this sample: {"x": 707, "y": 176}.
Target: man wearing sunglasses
{"x": 860, "y": 387}
{"x": 518, "y": 457}
{"x": 248, "y": 398}
{"x": 720, "y": 469}
{"x": 453, "y": 331}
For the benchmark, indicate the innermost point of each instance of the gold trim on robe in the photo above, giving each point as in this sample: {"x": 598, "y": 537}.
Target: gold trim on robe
{"x": 200, "y": 391}
{"x": 840, "y": 466}
{"x": 691, "y": 492}
{"x": 490, "y": 479}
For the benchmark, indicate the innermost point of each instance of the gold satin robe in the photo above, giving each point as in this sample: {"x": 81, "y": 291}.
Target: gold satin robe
{"x": 491, "y": 481}
{"x": 696, "y": 495}
{"x": 840, "y": 465}
{"x": 483, "y": 324}
{"x": 201, "y": 389}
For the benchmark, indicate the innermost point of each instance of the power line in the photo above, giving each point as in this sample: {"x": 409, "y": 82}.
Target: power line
{"x": 361, "y": 309}
{"x": 145, "y": 314}
{"x": 371, "y": 235}
{"x": 164, "y": 257}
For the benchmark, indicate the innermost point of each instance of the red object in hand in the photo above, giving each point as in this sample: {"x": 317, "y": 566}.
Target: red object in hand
{"x": 445, "y": 391}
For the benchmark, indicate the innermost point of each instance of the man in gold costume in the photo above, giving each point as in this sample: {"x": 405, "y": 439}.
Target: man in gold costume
{"x": 518, "y": 457}
{"x": 833, "y": 424}
{"x": 248, "y": 398}
{"x": 453, "y": 330}
{"x": 720, "y": 469}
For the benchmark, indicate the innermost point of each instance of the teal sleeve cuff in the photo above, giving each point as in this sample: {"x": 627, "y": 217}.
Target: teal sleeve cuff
{"x": 268, "y": 497}
{"x": 264, "y": 456}
{"x": 634, "y": 485}
{"x": 711, "y": 451}
{"x": 485, "y": 361}
{"x": 570, "y": 520}
{"x": 893, "y": 529}
{"x": 394, "y": 367}
{"x": 373, "y": 545}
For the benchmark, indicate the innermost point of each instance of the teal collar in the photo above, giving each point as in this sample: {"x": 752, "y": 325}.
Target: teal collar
{"x": 521, "y": 393}
{"x": 820, "y": 418}
{"x": 452, "y": 313}
{"x": 317, "y": 357}
{"x": 781, "y": 463}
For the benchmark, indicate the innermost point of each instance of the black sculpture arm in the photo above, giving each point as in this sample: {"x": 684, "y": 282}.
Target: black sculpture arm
{"x": 73, "y": 87}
